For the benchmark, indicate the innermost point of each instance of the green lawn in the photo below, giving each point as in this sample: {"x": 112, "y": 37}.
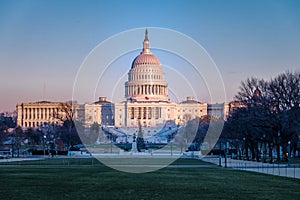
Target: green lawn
{"x": 89, "y": 179}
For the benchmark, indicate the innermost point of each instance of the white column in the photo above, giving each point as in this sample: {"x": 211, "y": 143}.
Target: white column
{"x": 47, "y": 114}
{"x": 31, "y": 117}
{"x": 140, "y": 90}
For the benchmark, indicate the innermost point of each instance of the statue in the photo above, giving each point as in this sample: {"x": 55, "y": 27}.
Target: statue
{"x": 140, "y": 139}
{"x": 134, "y": 145}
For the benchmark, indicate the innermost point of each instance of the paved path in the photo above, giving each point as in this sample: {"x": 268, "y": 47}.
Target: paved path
{"x": 20, "y": 159}
{"x": 266, "y": 168}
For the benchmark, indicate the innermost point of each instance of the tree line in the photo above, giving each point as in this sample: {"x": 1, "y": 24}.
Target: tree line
{"x": 268, "y": 118}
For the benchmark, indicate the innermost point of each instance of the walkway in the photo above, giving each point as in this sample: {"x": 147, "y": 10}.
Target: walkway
{"x": 266, "y": 168}
{"x": 20, "y": 159}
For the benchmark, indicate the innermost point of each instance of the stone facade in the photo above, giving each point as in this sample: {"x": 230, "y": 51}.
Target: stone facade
{"x": 146, "y": 96}
{"x": 218, "y": 110}
{"x": 39, "y": 113}
{"x": 100, "y": 112}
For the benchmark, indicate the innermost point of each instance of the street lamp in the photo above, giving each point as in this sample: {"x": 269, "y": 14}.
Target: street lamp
{"x": 289, "y": 153}
{"x": 264, "y": 148}
{"x": 44, "y": 139}
{"x": 280, "y": 150}
{"x": 220, "y": 156}
{"x": 226, "y": 151}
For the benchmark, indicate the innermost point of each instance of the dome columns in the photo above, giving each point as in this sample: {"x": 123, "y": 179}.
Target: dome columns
{"x": 134, "y": 90}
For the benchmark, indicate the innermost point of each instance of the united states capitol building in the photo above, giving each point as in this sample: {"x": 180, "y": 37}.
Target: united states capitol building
{"x": 146, "y": 102}
{"x": 146, "y": 96}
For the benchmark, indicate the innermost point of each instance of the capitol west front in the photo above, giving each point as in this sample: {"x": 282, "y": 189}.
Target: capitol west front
{"x": 146, "y": 99}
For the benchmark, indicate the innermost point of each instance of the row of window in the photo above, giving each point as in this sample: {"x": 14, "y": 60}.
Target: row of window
{"x": 145, "y": 113}
{"x": 39, "y": 113}
{"x": 143, "y": 77}
{"x": 149, "y": 69}
{"x": 35, "y": 124}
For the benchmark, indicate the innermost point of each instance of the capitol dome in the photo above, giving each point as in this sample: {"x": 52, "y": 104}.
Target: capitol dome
{"x": 145, "y": 59}
{"x": 146, "y": 77}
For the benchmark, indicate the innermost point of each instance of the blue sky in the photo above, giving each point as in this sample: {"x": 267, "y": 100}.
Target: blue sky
{"x": 43, "y": 43}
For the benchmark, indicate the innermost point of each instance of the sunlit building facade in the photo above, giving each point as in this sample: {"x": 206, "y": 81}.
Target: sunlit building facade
{"x": 36, "y": 114}
{"x": 146, "y": 99}
{"x": 100, "y": 112}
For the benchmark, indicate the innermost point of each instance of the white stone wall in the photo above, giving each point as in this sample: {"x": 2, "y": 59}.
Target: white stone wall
{"x": 92, "y": 114}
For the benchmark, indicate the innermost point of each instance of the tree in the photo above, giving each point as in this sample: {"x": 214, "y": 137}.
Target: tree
{"x": 91, "y": 136}
{"x": 253, "y": 121}
{"x": 33, "y": 137}
{"x": 270, "y": 117}
{"x": 17, "y": 138}
{"x": 285, "y": 94}
{"x": 66, "y": 115}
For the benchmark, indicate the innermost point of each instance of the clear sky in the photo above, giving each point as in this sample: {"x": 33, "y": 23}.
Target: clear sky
{"x": 43, "y": 43}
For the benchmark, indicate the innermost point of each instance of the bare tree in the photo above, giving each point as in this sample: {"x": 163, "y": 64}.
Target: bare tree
{"x": 271, "y": 115}
{"x": 285, "y": 93}
{"x": 66, "y": 115}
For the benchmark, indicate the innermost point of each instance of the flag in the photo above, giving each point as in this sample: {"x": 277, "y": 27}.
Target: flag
{"x": 132, "y": 99}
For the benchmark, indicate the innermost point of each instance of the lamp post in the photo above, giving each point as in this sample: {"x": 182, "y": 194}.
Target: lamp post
{"x": 245, "y": 148}
{"x": 110, "y": 143}
{"x": 289, "y": 153}
{"x": 279, "y": 146}
{"x": 264, "y": 148}
{"x": 44, "y": 139}
{"x": 226, "y": 151}
{"x": 171, "y": 148}
{"x": 220, "y": 156}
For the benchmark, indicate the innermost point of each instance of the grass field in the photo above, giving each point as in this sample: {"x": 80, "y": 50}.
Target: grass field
{"x": 89, "y": 179}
